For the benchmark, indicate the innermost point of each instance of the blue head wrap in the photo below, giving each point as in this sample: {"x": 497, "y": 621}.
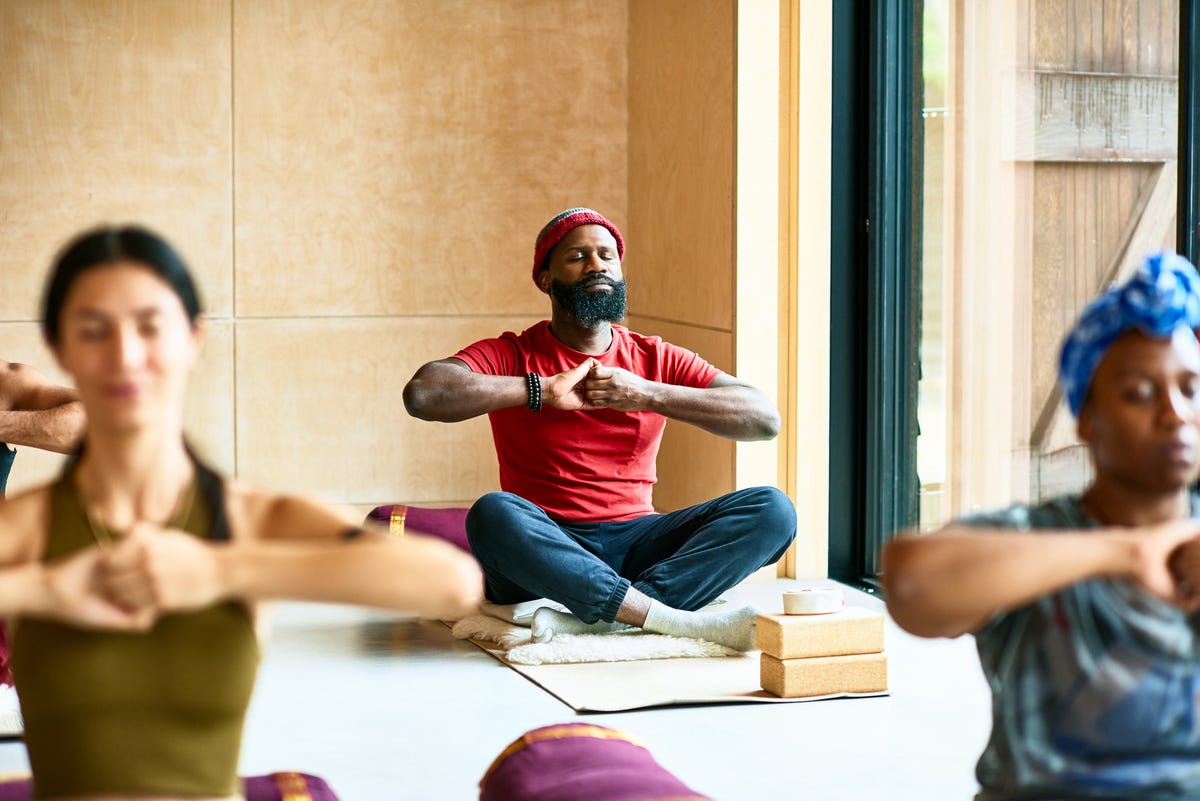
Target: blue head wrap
{"x": 1159, "y": 298}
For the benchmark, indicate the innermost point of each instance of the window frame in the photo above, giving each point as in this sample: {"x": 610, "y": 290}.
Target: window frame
{"x": 874, "y": 301}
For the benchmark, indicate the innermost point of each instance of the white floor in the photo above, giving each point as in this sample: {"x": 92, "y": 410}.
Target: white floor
{"x": 388, "y": 709}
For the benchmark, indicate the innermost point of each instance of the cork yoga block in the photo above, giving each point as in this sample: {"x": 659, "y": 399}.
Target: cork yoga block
{"x": 853, "y": 630}
{"x": 823, "y": 675}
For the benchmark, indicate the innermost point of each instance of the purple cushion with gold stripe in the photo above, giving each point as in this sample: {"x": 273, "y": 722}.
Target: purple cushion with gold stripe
{"x": 580, "y": 762}
{"x": 447, "y": 524}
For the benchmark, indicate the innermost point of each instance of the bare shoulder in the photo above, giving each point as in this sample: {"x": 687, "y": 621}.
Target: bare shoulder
{"x": 261, "y": 514}
{"x": 24, "y": 518}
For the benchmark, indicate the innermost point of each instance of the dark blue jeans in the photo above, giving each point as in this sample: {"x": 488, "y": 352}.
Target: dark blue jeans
{"x": 684, "y": 559}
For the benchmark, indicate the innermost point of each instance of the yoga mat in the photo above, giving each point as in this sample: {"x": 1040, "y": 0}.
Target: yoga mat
{"x": 644, "y": 684}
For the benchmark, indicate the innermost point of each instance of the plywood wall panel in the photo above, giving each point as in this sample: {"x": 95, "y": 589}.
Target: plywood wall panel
{"x": 320, "y": 410}
{"x": 693, "y": 465}
{"x": 681, "y": 161}
{"x": 209, "y": 411}
{"x": 113, "y": 111}
{"x": 400, "y": 157}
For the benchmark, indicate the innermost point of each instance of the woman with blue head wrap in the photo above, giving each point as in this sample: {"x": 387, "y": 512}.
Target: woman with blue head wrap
{"x": 1083, "y": 606}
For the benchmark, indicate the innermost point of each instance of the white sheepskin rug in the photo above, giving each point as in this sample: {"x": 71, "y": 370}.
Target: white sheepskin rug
{"x": 619, "y": 646}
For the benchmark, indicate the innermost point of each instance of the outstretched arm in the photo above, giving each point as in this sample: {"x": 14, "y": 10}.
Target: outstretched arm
{"x": 448, "y": 391}
{"x": 36, "y": 412}
{"x": 955, "y": 581}
{"x": 410, "y": 573}
{"x": 726, "y": 407}
{"x": 292, "y": 549}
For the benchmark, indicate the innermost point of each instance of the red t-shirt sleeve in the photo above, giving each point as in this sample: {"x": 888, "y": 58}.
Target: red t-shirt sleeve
{"x": 683, "y": 367}
{"x": 497, "y": 356}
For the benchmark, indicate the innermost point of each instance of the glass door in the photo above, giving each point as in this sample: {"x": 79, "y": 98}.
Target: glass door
{"x": 1047, "y": 170}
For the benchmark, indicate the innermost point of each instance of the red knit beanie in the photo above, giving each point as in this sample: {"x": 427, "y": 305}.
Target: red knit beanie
{"x": 563, "y": 224}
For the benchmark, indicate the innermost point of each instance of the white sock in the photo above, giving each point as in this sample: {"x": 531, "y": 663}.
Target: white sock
{"x": 733, "y": 628}
{"x": 548, "y": 622}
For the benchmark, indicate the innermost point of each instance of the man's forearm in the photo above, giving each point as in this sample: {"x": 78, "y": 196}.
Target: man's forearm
{"x": 57, "y": 429}
{"x": 449, "y": 395}
{"x": 736, "y": 412}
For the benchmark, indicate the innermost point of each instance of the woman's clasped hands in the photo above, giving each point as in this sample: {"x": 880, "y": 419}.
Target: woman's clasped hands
{"x": 129, "y": 583}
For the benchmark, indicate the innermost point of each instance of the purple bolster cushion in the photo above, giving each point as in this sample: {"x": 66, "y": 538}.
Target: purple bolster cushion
{"x": 446, "y": 524}
{"x": 5, "y": 666}
{"x": 580, "y": 762}
{"x": 273, "y": 787}
{"x": 290, "y": 786}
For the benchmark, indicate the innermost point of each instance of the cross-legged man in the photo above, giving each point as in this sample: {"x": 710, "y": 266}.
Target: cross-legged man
{"x": 577, "y": 406}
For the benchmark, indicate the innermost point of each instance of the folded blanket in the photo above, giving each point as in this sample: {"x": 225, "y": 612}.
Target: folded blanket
{"x": 618, "y": 646}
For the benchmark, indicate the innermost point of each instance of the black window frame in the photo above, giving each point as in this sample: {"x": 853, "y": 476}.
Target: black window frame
{"x": 873, "y": 311}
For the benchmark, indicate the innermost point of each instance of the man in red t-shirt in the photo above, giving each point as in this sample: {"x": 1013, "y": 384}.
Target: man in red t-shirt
{"x": 578, "y": 406}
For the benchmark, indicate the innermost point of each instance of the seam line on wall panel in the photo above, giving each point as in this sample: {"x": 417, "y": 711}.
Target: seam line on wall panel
{"x": 673, "y": 321}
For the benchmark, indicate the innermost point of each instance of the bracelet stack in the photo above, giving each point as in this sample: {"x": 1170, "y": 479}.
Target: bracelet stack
{"x": 533, "y": 392}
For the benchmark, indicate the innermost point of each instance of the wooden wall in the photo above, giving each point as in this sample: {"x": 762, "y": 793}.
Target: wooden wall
{"x": 357, "y": 185}
{"x": 1104, "y": 130}
{"x": 1112, "y": 36}
{"x": 681, "y": 265}
{"x": 118, "y": 111}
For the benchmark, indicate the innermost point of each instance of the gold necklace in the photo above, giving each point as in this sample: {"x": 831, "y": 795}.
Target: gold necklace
{"x": 98, "y": 528}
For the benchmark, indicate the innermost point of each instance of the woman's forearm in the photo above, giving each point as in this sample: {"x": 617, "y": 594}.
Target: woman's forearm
{"x": 951, "y": 583}
{"x": 411, "y": 573}
{"x": 24, "y": 590}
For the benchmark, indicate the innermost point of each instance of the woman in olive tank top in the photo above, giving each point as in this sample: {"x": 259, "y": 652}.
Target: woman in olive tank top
{"x": 131, "y": 581}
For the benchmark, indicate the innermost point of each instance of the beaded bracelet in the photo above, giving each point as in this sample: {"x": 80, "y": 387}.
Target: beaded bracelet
{"x": 533, "y": 392}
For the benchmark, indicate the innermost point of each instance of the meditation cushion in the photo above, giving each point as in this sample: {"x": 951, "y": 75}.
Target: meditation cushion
{"x": 447, "y": 524}
{"x": 5, "y": 667}
{"x": 285, "y": 786}
{"x": 580, "y": 762}
{"x": 288, "y": 786}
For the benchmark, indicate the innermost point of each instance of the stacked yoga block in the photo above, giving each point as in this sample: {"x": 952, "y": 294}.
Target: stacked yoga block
{"x": 822, "y": 654}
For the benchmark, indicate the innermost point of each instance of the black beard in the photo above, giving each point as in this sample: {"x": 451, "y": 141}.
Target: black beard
{"x": 590, "y": 308}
